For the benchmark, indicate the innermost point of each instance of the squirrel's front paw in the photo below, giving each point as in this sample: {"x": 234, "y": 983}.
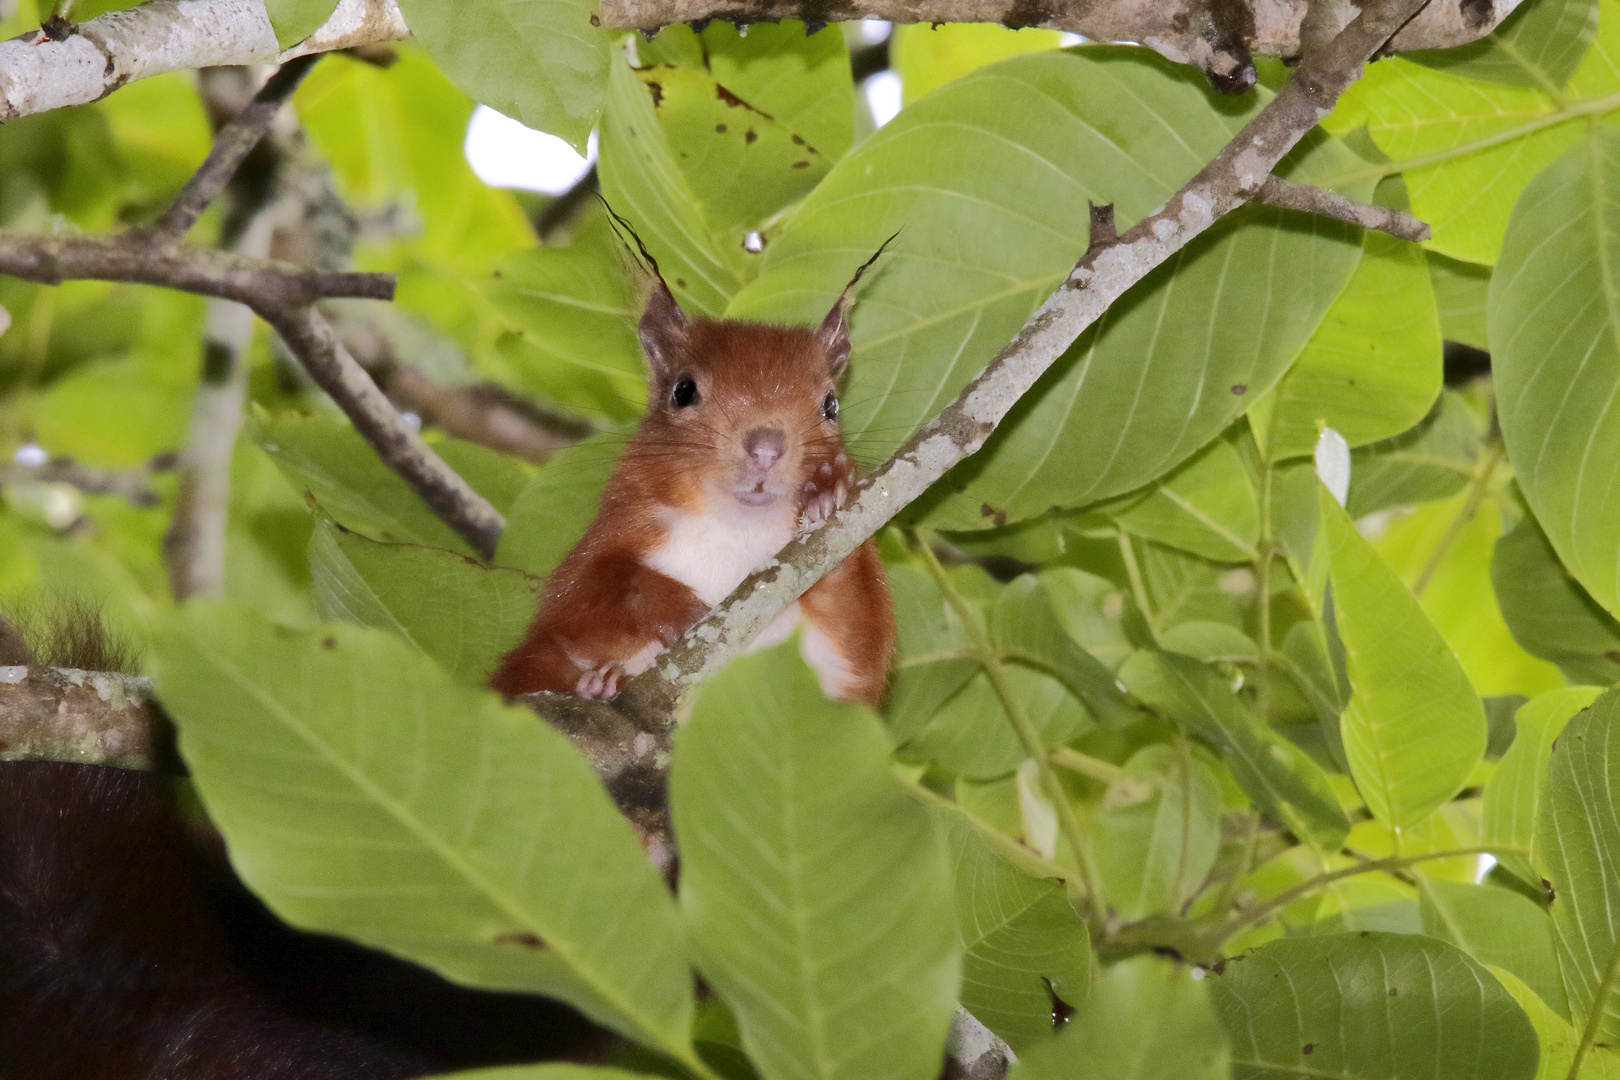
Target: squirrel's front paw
{"x": 599, "y": 683}
{"x": 826, "y": 489}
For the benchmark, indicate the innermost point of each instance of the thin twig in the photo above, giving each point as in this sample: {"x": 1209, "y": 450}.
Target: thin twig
{"x": 1101, "y": 276}
{"x": 133, "y": 487}
{"x": 317, "y": 347}
{"x": 1478, "y": 487}
{"x": 1288, "y": 195}
{"x": 231, "y": 147}
{"x": 485, "y": 413}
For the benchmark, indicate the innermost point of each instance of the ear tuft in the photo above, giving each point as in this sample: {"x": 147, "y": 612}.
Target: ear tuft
{"x": 834, "y": 332}
{"x": 663, "y": 331}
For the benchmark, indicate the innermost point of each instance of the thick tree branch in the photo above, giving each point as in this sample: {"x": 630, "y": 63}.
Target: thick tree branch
{"x": 1217, "y": 36}
{"x": 97, "y": 57}
{"x": 90, "y": 717}
{"x": 1102, "y": 275}
{"x": 1314, "y": 200}
{"x": 486, "y": 414}
{"x": 52, "y": 259}
{"x": 311, "y": 339}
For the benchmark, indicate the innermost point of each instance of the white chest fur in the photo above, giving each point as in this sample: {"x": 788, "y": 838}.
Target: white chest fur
{"x": 711, "y": 552}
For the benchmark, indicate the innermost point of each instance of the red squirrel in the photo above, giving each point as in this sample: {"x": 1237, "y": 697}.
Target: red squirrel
{"x": 740, "y": 442}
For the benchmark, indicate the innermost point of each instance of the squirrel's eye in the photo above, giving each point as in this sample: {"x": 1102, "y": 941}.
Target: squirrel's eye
{"x": 829, "y": 407}
{"x": 685, "y": 392}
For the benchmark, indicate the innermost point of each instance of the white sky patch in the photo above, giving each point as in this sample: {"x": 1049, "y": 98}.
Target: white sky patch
{"x": 1069, "y": 39}
{"x": 506, "y": 154}
{"x": 30, "y": 455}
{"x": 873, "y": 31}
{"x": 882, "y": 96}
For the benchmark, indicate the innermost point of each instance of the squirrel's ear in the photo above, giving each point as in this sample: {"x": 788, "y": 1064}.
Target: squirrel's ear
{"x": 834, "y": 332}
{"x": 663, "y": 331}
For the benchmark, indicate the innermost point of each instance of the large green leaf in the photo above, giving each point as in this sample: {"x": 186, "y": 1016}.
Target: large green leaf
{"x": 816, "y": 892}
{"x": 922, "y": 678}
{"x": 1467, "y": 147}
{"x": 545, "y": 1072}
{"x": 1372, "y": 369}
{"x": 1157, "y": 832}
{"x": 364, "y": 792}
{"x": 1548, "y": 611}
{"x": 1023, "y": 943}
{"x": 643, "y": 181}
{"x": 1208, "y": 506}
{"x": 971, "y": 736}
{"x": 1414, "y": 729}
{"x": 1025, "y": 624}
{"x": 295, "y": 20}
{"x": 1020, "y": 146}
{"x": 1431, "y": 461}
{"x": 1555, "y": 337}
{"x": 324, "y": 456}
{"x": 575, "y": 310}
{"x": 1370, "y": 1006}
{"x": 1277, "y": 775}
{"x": 558, "y": 505}
{"x": 1577, "y": 834}
{"x": 1144, "y": 1020}
{"x": 1460, "y": 289}
{"x": 539, "y": 61}
{"x": 1497, "y": 927}
{"x": 463, "y": 614}
{"x": 1512, "y": 799}
{"x": 1558, "y": 1039}
{"x": 1539, "y": 45}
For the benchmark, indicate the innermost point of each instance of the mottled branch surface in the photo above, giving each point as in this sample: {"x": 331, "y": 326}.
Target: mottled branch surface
{"x": 133, "y": 486}
{"x": 1314, "y": 200}
{"x": 1219, "y": 36}
{"x": 1102, "y": 275}
{"x": 38, "y": 73}
{"x": 62, "y": 714}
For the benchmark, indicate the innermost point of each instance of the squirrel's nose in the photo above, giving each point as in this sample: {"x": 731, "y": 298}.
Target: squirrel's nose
{"x": 764, "y": 446}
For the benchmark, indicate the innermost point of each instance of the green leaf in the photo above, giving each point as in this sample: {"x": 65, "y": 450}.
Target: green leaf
{"x": 1431, "y": 461}
{"x": 576, "y": 309}
{"x": 1372, "y": 369}
{"x": 1414, "y": 729}
{"x": 1022, "y": 941}
{"x": 801, "y": 79}
{"x": 1547, "y": 610}
{"x": 1370, "y": 1006}
{"x": 644, "y": 183}
{"x": 927, "y": 56}
{"x": 558, "y": 505}
{"x": 464, "y": 615}
{"x": 545, "y": 1072}
{"x": 1277, "y": 775}
{"x": 1025, "y": 623}
{"x": 1020, "y": 146}
{"x": 363, "y": 792}
{"x": 1184, "y": 588}
{"x": 1557, "y": 1038}
{"x": 1539, "y": 45}
{"x": 1497, "y": 927}
{"x": 833, "y": 940}
{"x": 1144, "y": 1020}
{"x": 1577, "y": 834}
{"x": 971, "y": 736}
{"x": 1467, "y": 148}
{"x": 538, "y": 61}
{"x": 918, "y": 685}
{"x": 1089, "y": 608}
{"x": 1460, "y": 289}
{"x": 1512, "y": 799}
{"x": 326, "y": 457}
{"x": 1207, "y": 506}
{"x": 1157, "y": 832}
{"x": 1555, "y": 336}
{"x": 295, "y": 20}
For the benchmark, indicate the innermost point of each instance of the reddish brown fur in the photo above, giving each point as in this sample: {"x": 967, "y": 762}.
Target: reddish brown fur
{"x": 604, "y": 604}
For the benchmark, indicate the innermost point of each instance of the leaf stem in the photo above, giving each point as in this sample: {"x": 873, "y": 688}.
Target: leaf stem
{"x": 1594, "y": 1019}
{"x": 1025, "y": 859}
{"x": 1086, "y": 765}
{"x": 1477, "y": 489}
{"x": 1127, "y": 552}
{"x": 1260, "y": 914}
{"x": 1267, "y": 552}
{"x": 1028, "y": 734}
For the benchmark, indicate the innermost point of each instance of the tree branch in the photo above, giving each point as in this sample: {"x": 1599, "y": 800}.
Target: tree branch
{"x": 1102, "y": 275}
{"x": 52, "y": 259}
{"x": 132, "y": 486}
{"x": 1217, "y": 36}
{"x": 312, "y": 340}
{"x": 1314, "y": 200}
{"x": 97, "y": 57}
{"x": 89, "y": 717}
